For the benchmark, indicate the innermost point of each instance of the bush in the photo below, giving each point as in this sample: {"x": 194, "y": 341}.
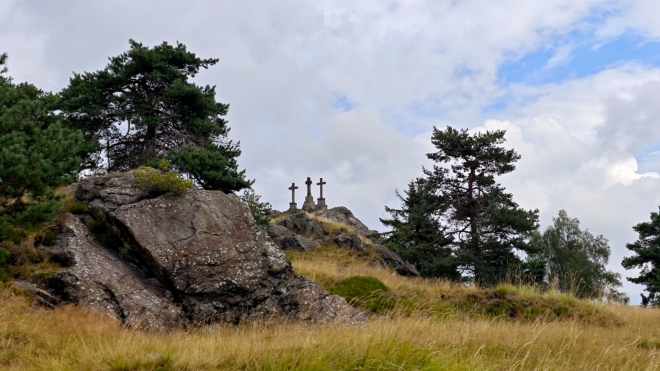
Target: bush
{"x": 4, "y": 276}
{"x": 364, "y": 291}
{"x": 163, "y": 179}
{"x": 10, "y": 233}
{"x": 73, "y": 206}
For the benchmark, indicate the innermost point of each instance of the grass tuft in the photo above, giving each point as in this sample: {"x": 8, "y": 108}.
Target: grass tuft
{"x": 331, "y": 227}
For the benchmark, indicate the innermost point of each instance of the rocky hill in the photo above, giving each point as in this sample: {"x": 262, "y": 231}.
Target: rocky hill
{"x": 164, "y": 260}
{"x": 306, "y": 230}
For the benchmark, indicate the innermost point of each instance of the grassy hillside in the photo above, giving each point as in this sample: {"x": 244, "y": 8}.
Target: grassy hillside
{"x": 414, "y": 324}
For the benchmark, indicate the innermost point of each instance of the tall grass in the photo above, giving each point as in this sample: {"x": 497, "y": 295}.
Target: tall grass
{"x": 73, "y": 338}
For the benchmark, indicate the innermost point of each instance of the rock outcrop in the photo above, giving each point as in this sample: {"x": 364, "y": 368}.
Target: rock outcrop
{"x": 192, "y": 257}
{"x": 304, "y": 231}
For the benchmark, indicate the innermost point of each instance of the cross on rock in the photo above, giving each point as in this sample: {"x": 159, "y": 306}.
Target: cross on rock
{"x": 321, "y": 183}
{"x": 309, "y": 186}
{"x": 293, "y": 192}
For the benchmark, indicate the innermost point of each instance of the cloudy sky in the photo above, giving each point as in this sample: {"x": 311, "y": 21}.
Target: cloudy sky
{"x": 350, "y": 91}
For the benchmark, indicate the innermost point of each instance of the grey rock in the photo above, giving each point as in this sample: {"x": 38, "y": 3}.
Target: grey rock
{"x": 391, "y": 259}
{"x": 100, "y": 278}
{"x": 204, "y": 248}
{"x": 308, "y": 301}
{"x": 350, "y": 241}
{"x": 295, "y": 242}
{"x": 300, "y": 223}
{"x": 276, "y": 230}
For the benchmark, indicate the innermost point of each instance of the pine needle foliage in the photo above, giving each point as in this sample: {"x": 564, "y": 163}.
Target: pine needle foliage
{"x": 142, "y": 106}
{"x": 37, "y": 153}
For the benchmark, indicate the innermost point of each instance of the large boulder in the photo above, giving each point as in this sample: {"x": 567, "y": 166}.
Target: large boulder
{"x": 202, "y": 251}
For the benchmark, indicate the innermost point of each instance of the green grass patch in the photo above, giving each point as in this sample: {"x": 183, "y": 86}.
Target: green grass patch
{"x": 365, "y": 292}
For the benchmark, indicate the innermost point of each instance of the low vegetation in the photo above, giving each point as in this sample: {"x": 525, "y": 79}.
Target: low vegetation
{"x": 161, "y": 179}
{"x": 399, "y": 296}
{"x": 331, "y": 227}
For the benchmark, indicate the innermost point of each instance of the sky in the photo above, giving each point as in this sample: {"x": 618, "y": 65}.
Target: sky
{"x": 351, "y": 91}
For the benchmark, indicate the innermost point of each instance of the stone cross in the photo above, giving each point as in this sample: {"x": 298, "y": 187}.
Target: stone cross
{"x": 309, "y": 200}
{"x": 321, "y": 183}
{"x": 309, "y": 186}
{"x": 293, "y": 192}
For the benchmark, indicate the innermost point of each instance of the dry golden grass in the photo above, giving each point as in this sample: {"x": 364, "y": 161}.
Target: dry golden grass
{"x": 331, "y": 227}
{"x": 72, "y": 338}
{"x": 75, "y": 338}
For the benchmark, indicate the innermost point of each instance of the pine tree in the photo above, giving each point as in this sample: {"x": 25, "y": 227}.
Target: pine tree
{"x": 646, "y": 256}
{"x": 142, "y": 107}
{"x": 474, "y": 217}
{"x": 417, "y": 234}
{"x": 37, "y": 153}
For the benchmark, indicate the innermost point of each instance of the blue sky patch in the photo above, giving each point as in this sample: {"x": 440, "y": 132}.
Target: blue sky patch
{"x": 587, "y": 56}
{"x": 343, "y": 104}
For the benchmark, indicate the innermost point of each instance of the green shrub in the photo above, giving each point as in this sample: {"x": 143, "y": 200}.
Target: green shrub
{"x": 364, "y": 291}
{"x": 10, "y": 233}
{"x": 259, "y": 210}
{"x": 4, "y": 256}
{"x": 46, "y": 238}
{"x": 4, "y": 276}
{"x": 163, "y": 179}
{"x": 77, "y": 207}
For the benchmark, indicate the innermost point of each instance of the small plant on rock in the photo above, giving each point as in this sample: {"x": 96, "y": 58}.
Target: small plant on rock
{"x": 162, "y": 179}
{"x": 260, "y": 210}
